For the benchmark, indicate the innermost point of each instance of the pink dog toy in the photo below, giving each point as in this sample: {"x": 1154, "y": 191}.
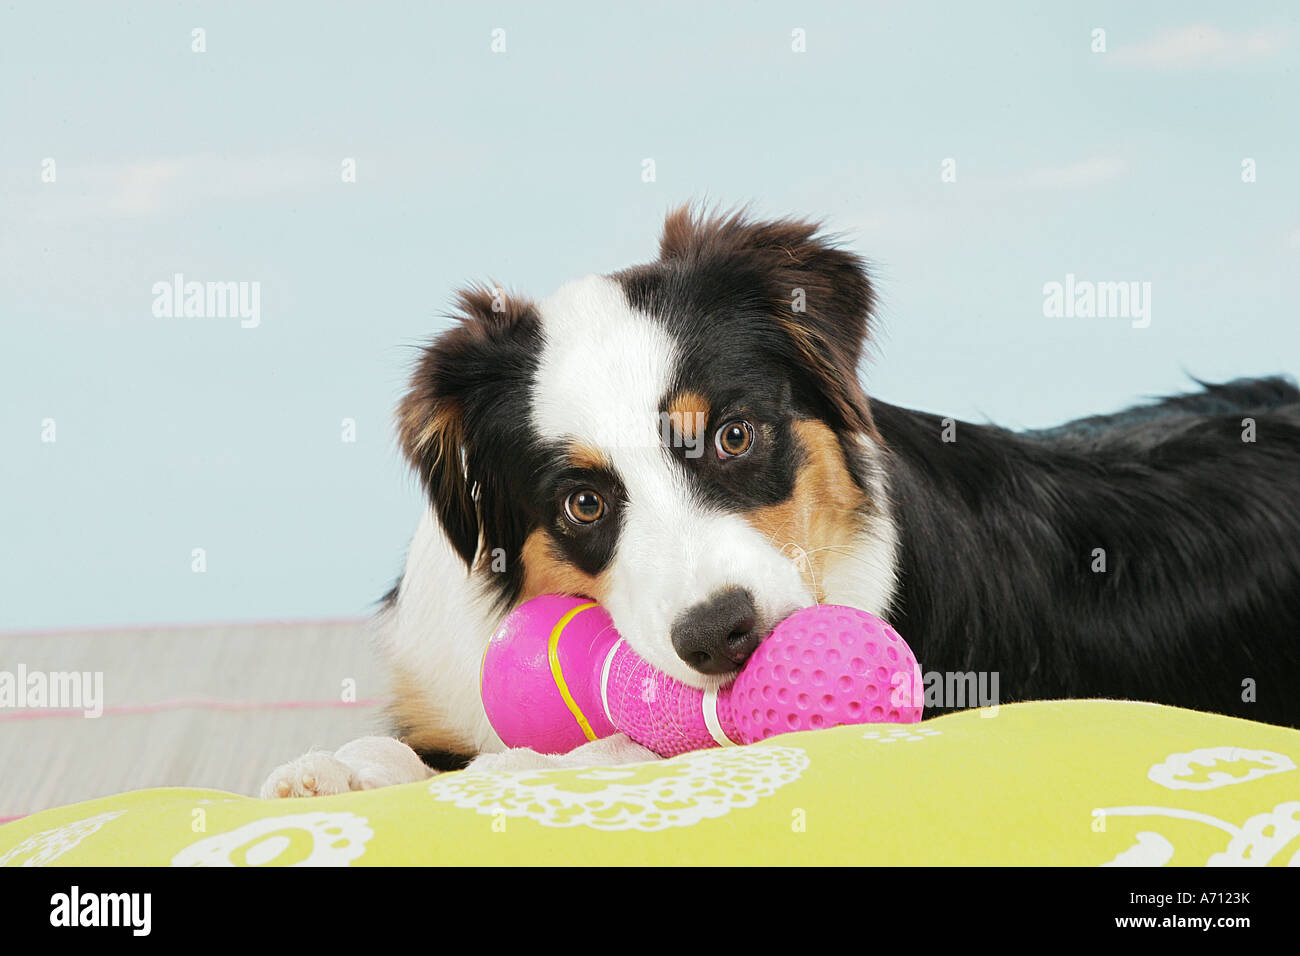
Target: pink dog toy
{"x": 556, "y": 674}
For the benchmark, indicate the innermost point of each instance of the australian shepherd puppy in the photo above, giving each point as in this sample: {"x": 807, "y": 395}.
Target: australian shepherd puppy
{"x": 688, "y": 443}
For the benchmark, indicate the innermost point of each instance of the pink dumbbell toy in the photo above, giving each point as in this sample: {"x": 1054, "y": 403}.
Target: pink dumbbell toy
{"x": 556, "y": 674}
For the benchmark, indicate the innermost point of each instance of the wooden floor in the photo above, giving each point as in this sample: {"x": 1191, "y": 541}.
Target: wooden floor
{"x": 217, "y": 706}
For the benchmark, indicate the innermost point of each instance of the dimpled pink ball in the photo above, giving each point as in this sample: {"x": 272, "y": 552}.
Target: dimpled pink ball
{"x": 823, "y": 666}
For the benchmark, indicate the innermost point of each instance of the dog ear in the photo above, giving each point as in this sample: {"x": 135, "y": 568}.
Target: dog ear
{"x": 460, "y": 373}
{"x": 819, "y": 294}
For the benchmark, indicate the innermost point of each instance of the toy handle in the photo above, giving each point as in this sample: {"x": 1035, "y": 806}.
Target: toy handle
{"x": 658, "y": 712}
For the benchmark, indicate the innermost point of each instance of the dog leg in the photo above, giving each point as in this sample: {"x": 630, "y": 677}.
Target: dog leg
{"x": 360, "y": 765}
{"x": 608, "y": 752}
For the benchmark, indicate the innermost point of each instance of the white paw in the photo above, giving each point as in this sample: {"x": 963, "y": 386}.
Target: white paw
{"x": 609, "y": 752}
{"x": 520, "y": 758}
{"x": 315, "y": 774}
{"x": 382, "y": 762}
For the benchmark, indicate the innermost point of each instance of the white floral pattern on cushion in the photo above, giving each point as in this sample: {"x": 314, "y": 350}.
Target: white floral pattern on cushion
{"x": 1255, "y": 843}
{"x": 649, "y": 796}
{"x": 300, "y": 839}
{"x": 48, "y": 845}
{"x": 1212, "y": 767}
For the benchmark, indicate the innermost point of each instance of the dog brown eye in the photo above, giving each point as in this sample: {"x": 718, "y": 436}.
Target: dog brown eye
{"x": 734, "y": 439}
{"x": 584, "y": 507}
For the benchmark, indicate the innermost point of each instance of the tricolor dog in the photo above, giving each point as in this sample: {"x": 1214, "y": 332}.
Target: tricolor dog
{"x": 688, "y": 442}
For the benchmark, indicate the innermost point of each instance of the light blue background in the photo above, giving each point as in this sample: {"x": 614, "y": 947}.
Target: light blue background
{"x": 525, "y": 167}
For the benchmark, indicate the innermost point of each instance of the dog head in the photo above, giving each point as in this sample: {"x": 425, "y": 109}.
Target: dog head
{"x": 686, "y": 442}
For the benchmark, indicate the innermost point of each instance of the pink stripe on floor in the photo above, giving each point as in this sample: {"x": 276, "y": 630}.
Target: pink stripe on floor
{"x": 196, "y": 703}
{"x": 132, "y": 630}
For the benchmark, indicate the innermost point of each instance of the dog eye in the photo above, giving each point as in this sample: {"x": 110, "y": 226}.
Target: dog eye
{"x": 734, "y": 439}
{"x": 584, "y": 507}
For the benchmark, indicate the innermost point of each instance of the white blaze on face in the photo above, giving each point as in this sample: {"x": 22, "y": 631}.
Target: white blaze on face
{"x": 604, "y": 370}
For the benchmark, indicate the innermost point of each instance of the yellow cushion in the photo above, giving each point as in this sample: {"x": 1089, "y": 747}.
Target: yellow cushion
{"x": 1052, "y": 782}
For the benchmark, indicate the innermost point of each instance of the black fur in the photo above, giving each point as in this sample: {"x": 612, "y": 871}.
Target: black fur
{"x": 1201, "y": 534}
{"x": 479, "y": 466}
{"x": 443, "y": 760}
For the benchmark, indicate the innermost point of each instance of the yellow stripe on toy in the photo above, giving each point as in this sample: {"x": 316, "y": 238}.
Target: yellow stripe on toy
{"x": 552, "y": 652}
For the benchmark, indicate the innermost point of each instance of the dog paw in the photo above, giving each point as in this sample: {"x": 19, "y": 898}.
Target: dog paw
{"x": 363, "y": 764}
{"x": 382, "y": 762}
{"x": 316, "y": 774}
{"x": 520, "y": 758}
{"x": 608, "y": 752}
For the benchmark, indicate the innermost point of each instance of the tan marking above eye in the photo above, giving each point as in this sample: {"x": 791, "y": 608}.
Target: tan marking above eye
{"x": 687, "y": 418}
{"x": 734, "y": 438}
{"x": 584, "y": 506}
{"x": 587, "y": 457}
{"x": 686, "y": 405}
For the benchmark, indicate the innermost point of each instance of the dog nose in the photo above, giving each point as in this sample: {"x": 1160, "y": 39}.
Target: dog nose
{"x": 717, "y": 635}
